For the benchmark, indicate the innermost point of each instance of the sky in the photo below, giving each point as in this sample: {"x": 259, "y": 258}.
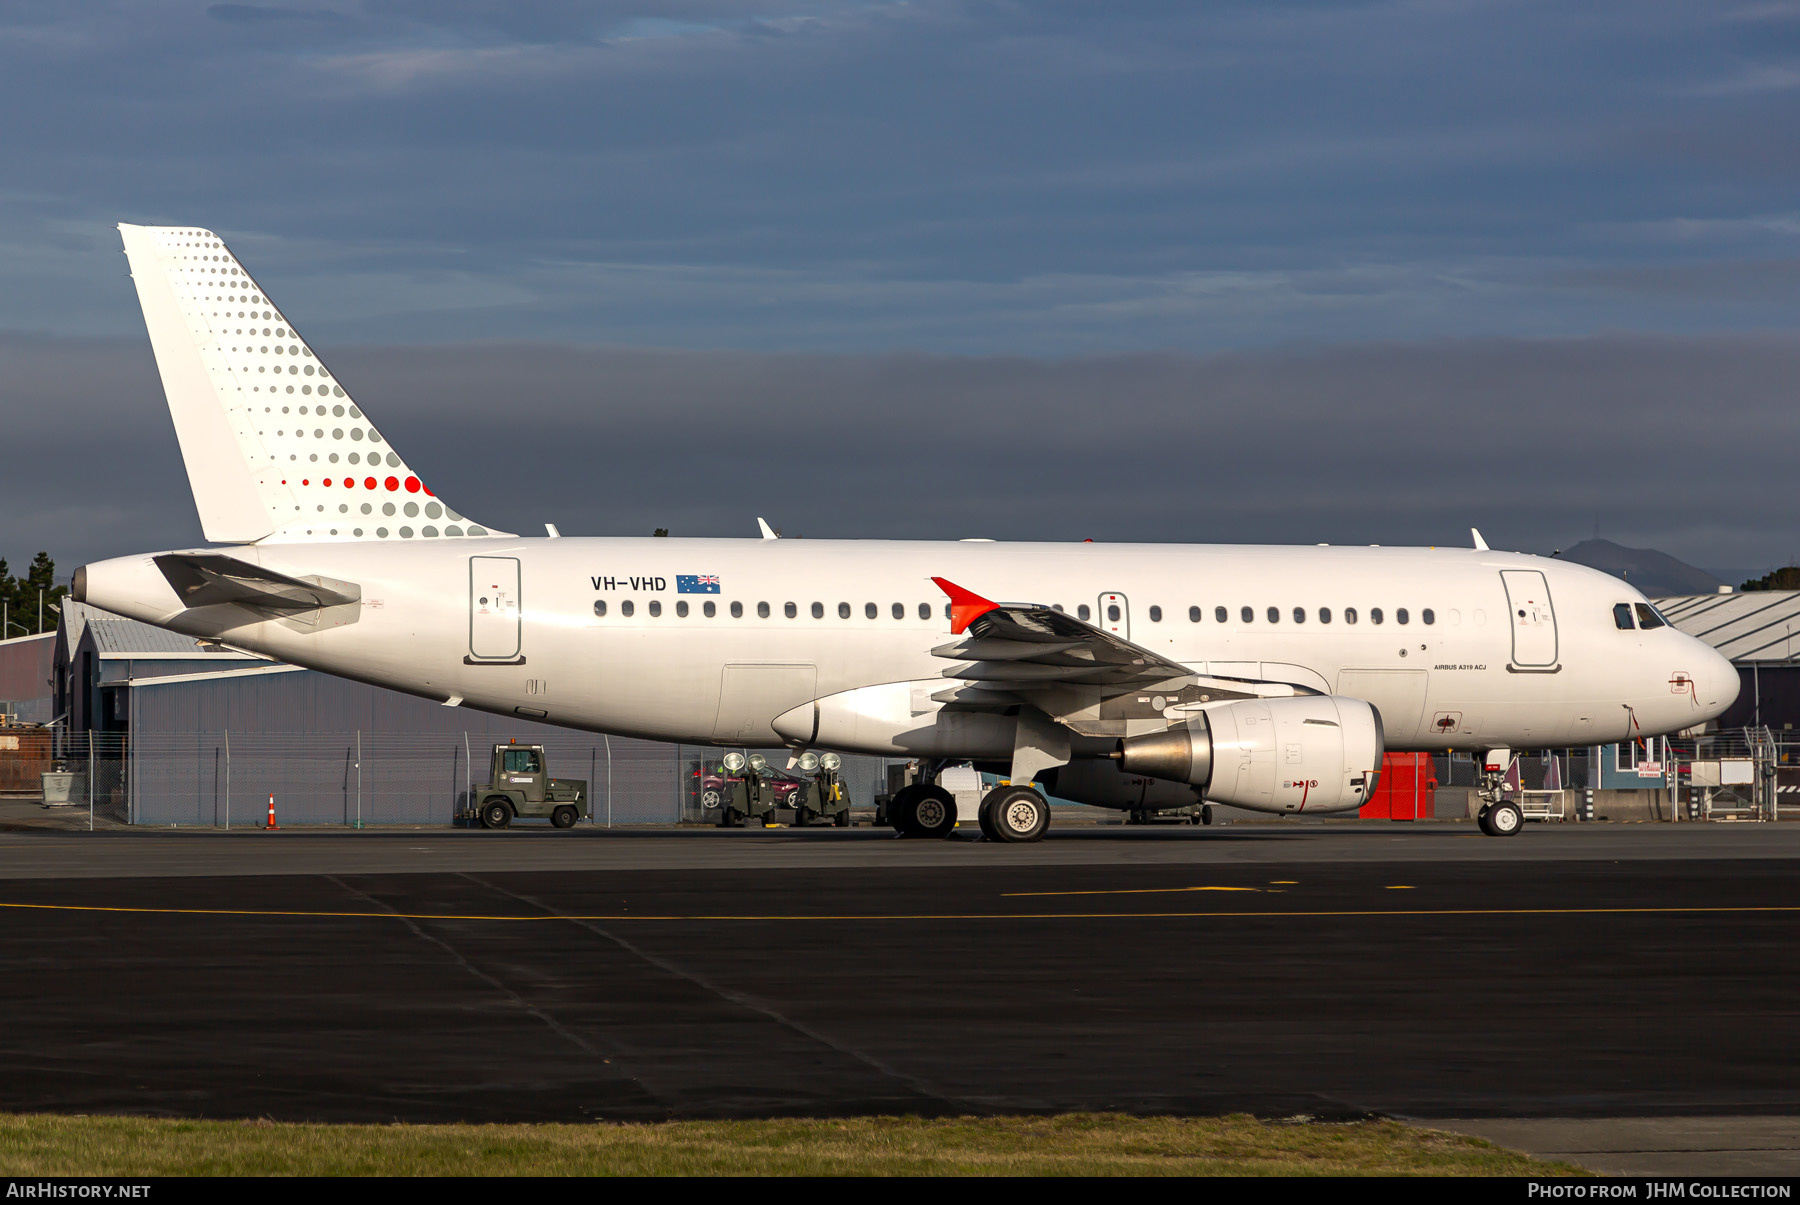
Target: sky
{"x": 1286, "y": 272}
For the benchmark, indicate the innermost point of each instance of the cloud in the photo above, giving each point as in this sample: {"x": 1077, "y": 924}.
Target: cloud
{"x": 943, "y": 174}
{"x": 1743, "y": 280}
{"x": 1673, "y": 444}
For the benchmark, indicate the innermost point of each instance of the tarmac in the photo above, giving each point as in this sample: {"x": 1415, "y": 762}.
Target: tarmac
{"x": 1623, "y": 996}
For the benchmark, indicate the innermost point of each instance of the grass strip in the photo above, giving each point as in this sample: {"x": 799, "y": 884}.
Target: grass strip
{"x": 1080, "y": 1144}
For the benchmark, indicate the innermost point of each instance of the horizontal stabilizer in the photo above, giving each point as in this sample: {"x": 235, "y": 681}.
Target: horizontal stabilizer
{"x": 209, "y": 580}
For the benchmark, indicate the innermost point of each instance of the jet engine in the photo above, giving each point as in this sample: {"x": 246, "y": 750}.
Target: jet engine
{"x": 1314, "y": 753}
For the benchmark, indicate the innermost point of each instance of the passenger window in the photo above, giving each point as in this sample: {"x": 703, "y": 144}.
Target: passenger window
{"x": 1112, "y": 613}
{"x": 869, "y": 609}
{"x": 1155, "y": 614}
{"x": 1220, "y": 614}
{"x": 1247, "y": 615}
{"x": 655, "y": 608}
{"x": 1429, "y": 616}
{"x": 1082, "y": 612}
{"x": 681, "y": 609}
{"x": 709, "y": 609}
{"x": 1193, "y": 614}
{"x": 925, "y": 611}
{"x": 737, "y": 609}
{"x": 947, "y": 614}
{"x": 1374, "y": 614}
{"x": 625, "y": 608}
{"x": 762, "y": 610}
{"x": 1400, "y": 615}
{"x": 818, "y": 610}
{"x": 600, "y": 606}
{"x": 1648, "y": 617}
{"x": 843, "y": 610}
{"x": 1274, "y": 614}
{"x": 1349, "y": 614}
{"x": 1324, "y": 614}
{"x": 1622, "y": 617}
{"x": 790, "y": 610}
{"x": 899, "y": 610}
{"x": 1299, "y": 614}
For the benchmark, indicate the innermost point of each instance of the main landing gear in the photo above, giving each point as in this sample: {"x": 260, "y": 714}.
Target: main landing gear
{"x": 1010, "y": 814}
{"x": 1013, "y": 814}
{"x": 923, "y": 810}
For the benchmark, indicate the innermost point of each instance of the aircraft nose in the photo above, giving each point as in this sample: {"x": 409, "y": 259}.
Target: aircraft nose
{"x": 1718, "y": 680}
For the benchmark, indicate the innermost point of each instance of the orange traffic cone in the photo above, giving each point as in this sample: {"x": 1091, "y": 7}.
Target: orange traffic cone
{"x": 272, "y": 823}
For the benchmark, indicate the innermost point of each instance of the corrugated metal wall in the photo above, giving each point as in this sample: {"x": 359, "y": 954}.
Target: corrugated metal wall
{"x": 26, "y": 670}
{"x": 333, "y": 751}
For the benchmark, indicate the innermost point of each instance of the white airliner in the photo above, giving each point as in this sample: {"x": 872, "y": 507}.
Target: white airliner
{"x": 1128, "y": 675}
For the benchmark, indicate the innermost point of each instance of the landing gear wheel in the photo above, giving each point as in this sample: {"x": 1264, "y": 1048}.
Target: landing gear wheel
{"x": 933, "y": 813}
{"x": 563, "y": 817}
{"x": 984, "y": 816}
{"x": 1206, "y": 813}
{"x": 900, "y": 809}
{"x": 1016, "y": 814}
{"x": 496, "y": 813}
{"x": 1503, "y": 819}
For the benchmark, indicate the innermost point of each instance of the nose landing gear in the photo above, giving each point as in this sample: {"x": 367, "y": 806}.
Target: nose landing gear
{"x": 1502, "y": 819}
{"x": 1499, "y": 816}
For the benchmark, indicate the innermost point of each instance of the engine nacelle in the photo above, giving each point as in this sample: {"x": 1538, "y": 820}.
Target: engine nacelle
{"x": 1314, "y": 753}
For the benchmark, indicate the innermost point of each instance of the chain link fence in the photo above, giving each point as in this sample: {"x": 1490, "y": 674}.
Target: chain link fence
{"x": 225, "y": 779}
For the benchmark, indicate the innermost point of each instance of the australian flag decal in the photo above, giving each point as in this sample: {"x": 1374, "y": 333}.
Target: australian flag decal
{"x": 704, "y": 583}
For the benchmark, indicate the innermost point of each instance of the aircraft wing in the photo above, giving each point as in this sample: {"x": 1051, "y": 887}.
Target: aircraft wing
{"x": 1092, "y": 680}
{"x": 210, "y": 579}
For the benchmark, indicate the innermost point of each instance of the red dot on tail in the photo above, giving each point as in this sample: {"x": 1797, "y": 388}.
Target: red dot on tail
{"x": 393, "y": 483}
{"x": 306, "y": 481}
{"x": 327, "y": 481}
{"x": 412, "y": 485}
{"x": 368, "y": 483}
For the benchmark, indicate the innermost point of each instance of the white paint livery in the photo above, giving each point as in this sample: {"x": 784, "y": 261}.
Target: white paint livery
{"x": 831, "y": 643}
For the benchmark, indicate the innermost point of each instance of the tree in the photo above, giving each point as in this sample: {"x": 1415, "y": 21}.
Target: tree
{"x": 19, "y": 596}
{"x": 1787, "y": 578}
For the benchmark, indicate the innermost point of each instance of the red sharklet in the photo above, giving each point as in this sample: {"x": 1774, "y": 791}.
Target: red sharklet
{"x": 965, "y": 605}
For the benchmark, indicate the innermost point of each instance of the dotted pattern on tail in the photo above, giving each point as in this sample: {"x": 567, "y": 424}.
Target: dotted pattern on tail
{"x": 297, "y": 425}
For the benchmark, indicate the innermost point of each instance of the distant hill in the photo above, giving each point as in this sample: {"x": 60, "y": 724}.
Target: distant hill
{"x": 1655, "y": 573}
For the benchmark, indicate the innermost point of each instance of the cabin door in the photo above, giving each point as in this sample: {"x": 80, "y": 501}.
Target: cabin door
{"x": 494, "y": 609}
{"x": 1533, "y": 620}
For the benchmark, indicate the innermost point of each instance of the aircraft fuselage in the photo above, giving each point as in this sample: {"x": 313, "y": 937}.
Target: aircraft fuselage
{"x": 1437, "y": 639}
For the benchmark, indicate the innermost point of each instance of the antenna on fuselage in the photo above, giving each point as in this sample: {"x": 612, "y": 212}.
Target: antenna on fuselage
{"x": 768, "y": 533}
{"x": 1480, "y": 544}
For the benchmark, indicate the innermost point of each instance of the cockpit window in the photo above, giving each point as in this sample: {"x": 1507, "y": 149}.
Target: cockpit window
{"x": 1648, "y": 618}
{"x": 1622, "y": 616}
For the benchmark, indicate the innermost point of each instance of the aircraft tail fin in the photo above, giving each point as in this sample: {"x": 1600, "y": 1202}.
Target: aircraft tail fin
{"x": 276, "y": 450}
